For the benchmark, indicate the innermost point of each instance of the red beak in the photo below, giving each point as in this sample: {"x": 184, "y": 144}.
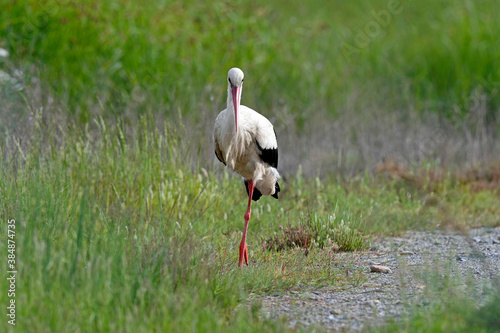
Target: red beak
{"x": 236, "y": 103}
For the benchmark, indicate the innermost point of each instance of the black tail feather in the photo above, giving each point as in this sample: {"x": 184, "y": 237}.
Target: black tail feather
{"x": 276, "y": 190}
{"x": 256, "y": 193}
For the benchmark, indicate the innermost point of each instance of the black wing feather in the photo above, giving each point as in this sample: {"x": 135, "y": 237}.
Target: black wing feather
{"x": 218, "y": 153}
{"x": 256, "y": 193}
{"x": 219, "y": 158}
{"x": 268, "y": 155}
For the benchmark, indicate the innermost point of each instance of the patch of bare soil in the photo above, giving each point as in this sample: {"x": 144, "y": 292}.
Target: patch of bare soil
{"x": 413, "y": 258}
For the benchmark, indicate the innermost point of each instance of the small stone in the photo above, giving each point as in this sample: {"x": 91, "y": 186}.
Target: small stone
{"x": 309, "y": 295}
{"x": 336, "y": 311}
{"x": 380, "y": 269}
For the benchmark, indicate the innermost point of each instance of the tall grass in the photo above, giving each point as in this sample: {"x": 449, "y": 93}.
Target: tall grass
{"x": 106, "y": 241}
{"x": 117, "y": 230}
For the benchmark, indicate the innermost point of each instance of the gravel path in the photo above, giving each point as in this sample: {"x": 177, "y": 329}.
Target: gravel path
{"x": 412, "y": 258}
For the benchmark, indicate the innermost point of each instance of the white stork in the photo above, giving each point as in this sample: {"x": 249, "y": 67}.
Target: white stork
{"x": 245, "y": 142}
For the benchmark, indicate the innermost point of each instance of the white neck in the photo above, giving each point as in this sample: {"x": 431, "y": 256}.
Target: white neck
{"x": 230, "y": 105}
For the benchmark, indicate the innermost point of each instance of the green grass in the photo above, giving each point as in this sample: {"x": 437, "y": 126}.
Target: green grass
{"x": 436, "y": 55}
{"x": 116, "y": 229}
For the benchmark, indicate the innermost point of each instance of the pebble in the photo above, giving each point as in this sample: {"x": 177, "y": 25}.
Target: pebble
{"x": 380, "y": 269}
{"x": 336, "y": 311}
{"x": 477, "y": 239}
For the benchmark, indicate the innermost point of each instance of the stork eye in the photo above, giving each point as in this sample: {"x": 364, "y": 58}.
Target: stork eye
{"x": 229, "y": 80}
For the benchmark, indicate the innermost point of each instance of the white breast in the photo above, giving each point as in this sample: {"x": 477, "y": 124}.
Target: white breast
{"x": 239, "y": 149}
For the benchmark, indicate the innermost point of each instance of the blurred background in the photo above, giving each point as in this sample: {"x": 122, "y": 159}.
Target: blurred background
{"x": 347, "y": 84}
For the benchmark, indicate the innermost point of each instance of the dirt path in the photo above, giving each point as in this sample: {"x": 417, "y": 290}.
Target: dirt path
{"x": 413, "y": 258}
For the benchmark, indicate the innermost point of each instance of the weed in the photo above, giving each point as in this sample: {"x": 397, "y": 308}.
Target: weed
{"x": 289, "y": 238}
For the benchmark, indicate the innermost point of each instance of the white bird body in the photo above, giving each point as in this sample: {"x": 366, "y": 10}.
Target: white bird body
{"x": 240, "y": 150}
{"x": 246, "y": 143}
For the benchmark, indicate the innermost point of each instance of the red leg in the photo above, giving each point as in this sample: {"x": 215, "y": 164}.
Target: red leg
{"x": 243, "y": 244}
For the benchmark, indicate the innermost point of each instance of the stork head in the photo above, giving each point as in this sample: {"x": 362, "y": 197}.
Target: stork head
{"x": 235, "y": 78}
